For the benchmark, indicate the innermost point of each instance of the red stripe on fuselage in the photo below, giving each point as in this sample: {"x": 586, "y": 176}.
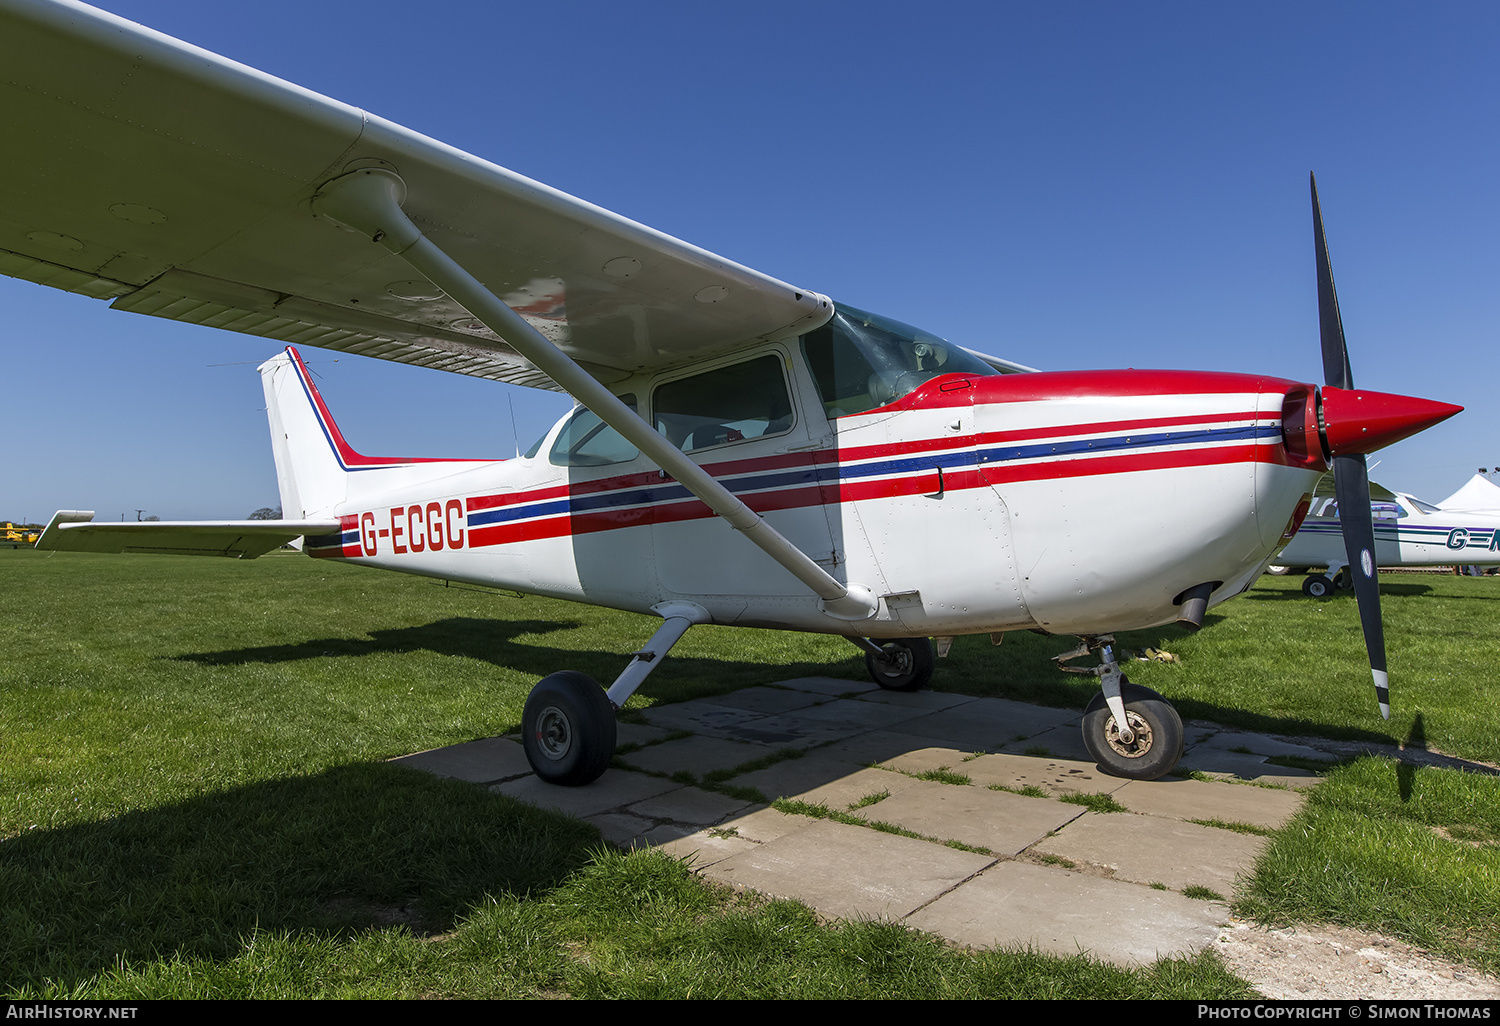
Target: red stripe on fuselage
{"x": 876, "y": 488}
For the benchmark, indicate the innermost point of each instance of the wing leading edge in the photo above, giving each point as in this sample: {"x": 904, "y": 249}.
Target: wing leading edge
{"x": 178, "y": 183}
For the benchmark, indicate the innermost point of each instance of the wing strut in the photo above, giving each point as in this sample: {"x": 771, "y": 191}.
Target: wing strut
{"x": 368, "y": 201}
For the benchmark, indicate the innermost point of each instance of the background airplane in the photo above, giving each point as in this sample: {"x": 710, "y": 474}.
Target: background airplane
{"x": 1408, "y": 533}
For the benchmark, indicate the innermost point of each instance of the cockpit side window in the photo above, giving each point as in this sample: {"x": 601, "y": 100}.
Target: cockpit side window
{"x": 861, "y": 361}
{"x": 586, "y": 441}
{"x": 728, "y": 404}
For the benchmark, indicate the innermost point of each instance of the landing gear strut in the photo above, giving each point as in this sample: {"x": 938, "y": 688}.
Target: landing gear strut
{"x": 1130, "y": 731}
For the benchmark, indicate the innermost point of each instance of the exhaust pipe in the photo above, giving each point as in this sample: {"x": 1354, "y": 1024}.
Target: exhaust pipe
{"x": 1194, "y": 603}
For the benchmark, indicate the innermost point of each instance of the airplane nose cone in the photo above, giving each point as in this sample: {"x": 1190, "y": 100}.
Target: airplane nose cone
{"x": 1361, "y": 422}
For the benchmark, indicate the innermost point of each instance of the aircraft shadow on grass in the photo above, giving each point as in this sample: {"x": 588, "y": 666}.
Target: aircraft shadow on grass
{"x": 348, "y": 849}
{"x": 514, "y": 645}
{"x": 1262, "y": 595}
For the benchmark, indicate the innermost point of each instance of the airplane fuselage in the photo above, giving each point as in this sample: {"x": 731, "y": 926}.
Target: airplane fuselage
{"x": 1075, "y": 502}
{"x": 1406, "y": 534}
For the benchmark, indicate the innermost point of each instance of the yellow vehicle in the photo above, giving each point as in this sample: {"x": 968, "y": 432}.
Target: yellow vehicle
{"x": 20, "y": 533}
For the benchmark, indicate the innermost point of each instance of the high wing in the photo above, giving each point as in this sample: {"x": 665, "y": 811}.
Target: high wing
{"x": 73, "y": 531}
{"x": 178, "y": 183}
{"x": 1324, "y": 490}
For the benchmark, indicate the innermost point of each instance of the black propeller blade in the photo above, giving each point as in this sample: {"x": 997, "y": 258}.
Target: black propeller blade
{"x": 1351, "y": 478}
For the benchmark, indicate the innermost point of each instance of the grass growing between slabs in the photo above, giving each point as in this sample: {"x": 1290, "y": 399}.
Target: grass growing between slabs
{"x": 193, "y": 799}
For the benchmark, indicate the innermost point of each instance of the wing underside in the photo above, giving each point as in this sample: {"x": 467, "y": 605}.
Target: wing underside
{"x": 177, "y": 183}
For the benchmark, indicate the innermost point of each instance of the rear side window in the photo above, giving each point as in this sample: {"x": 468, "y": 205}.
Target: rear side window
{"x": 730, "y": 404}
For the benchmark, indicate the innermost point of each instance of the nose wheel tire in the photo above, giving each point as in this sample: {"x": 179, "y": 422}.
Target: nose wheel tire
{"x": 1157, "y": 743}
{"x": 906, "y": 665}
{"x": 568, "y": 729}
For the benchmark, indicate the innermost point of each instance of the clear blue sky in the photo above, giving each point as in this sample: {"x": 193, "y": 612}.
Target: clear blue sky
{"x": 1064, "y": 184}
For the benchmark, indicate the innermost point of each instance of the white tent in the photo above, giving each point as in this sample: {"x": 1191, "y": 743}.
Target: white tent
{"x": 1480, "y": 493}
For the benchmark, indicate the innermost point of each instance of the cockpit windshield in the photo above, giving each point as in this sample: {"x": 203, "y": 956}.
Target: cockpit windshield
{"x": 862, "y": 361}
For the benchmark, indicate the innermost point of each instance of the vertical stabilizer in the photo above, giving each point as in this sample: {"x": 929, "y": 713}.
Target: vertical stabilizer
{"x": 304, "y": 439}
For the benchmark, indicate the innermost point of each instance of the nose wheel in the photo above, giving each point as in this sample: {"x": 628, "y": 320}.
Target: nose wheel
{"x": 568, "y": 729}
{"x": 1129, "y": 730}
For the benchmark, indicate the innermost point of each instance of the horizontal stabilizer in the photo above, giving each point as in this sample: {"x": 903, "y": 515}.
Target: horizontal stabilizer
{"x": 74, "y": 531}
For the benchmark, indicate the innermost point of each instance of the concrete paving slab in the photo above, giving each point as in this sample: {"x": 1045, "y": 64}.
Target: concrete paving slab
{"x": 877, "y": 747}
{"x": 920, "y": 701}
{"x": 792, "y": 778}
{"x": 1003, "y": 823}
{"x": 697, "y": 755}
{"x": 479, "y": 762}
{"x": 638, "y": 733}
{"x": 1263, "y": 744}
{"x": 850, "y": 872}
{"x": 1058, "y": 776}
{"x": 1061, "y": 742}
{"x": 624, "y": 830}
{"x": 615, "y": 789}
{"x": 700, "y": 716}
{"x": 1019, "y": 905}
{"x": 769, "y": 700}
{"x": 929, "y": 760}
{"x": 1176, "y": 798}
{"x": 703, "y": 848}
{"x": 1253, "y": 769}
{"x": 1154, "y": 850}
{"x": 988, "y": 723}
{"x": 846, "y": 871}
{"x": 690, "y": 805}
{"x": 762, "y": 824}
{"x": 840, "y": 794}
{"x": 840, "y": 718}
{"x": 829, "y": 685}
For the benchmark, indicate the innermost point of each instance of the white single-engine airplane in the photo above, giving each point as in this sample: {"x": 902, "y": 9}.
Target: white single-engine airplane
{"x": 745, "y": 451}
{"x": 1408, "y": 532}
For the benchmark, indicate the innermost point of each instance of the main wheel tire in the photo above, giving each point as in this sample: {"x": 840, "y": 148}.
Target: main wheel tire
{"x": 1158, "y": 742}
{"x": 1317, "y": 586}
{"x": 568, "y": 729}
{"x": 907, "y": 666}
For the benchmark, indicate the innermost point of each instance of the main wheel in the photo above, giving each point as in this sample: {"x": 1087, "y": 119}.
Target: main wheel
{"x": 907, "y": 664}
{"x": 1156, "y": 746}
{"x": 568, "y": 729}
{"x": 1317, "y": 586}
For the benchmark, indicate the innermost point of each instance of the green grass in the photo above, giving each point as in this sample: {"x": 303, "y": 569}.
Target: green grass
{"x": 194, "y": 799}
{"x": 1411, "y": 852}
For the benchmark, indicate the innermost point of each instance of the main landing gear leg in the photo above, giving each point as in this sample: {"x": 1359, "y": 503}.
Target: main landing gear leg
{"x": 1129, "y": 730}
{"x": 568, "y": 725}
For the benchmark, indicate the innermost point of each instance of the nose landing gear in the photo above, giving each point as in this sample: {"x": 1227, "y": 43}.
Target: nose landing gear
{"x": 1129, "y": 730}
